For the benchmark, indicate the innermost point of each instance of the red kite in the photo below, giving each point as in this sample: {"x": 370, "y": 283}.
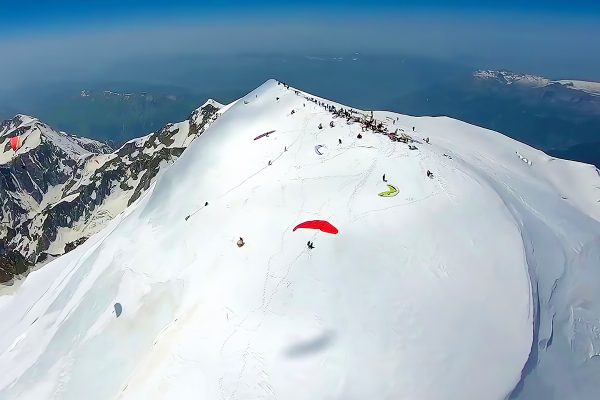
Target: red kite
{"x": 15, "y": 143}
{"x": 321, "y": 225}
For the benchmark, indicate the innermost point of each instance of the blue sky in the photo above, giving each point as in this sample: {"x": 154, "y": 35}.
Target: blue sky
{"x": 27, "y": 17}
{"x": 91, "y": 39}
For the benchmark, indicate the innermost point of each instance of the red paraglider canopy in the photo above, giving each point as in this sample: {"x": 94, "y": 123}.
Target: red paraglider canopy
{"x": 321, "y": 225}
{"x": 15, "y": 143}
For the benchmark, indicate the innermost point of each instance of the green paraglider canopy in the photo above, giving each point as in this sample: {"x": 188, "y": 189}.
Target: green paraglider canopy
{"x": 390, "y": 193}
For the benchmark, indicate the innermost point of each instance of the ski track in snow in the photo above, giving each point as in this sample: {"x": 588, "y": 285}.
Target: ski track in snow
{"x": 477, "y": 283}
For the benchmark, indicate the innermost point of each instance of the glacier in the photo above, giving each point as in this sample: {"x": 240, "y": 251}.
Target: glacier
{"x": 481, "y": 282}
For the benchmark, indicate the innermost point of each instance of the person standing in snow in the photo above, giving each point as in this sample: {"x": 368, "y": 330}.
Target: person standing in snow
{"x": 339, "y": 141}
{"x": 385, "y": 180}
{"x": 310, "y": 245}
{"x": 240, "y": 242}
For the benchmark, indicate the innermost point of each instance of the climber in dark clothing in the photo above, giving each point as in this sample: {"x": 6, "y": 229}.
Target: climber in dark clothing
{"x": 359, "y": 136}
{"x": 320, "y": 126}
{"x": 205, "y": 204}
{"x": 340, "y": 141}
{"x": 429, "y": 174}
{"x": 310, "y": 245}
{"x": 385, "y": 180}
{"x": 331, "y": 124}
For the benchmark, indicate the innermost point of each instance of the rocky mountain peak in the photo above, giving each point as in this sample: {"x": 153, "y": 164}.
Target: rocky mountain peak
{"x": 58, "y": 189}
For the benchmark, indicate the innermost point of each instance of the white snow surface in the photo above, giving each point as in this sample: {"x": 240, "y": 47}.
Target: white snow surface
{"x": 453, "y": 289}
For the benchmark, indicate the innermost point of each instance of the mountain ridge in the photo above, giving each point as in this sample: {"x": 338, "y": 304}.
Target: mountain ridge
{"x": 58, "y": 189}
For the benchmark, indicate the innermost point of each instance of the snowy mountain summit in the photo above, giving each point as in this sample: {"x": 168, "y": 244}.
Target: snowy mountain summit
{"x": 450, "y": 262}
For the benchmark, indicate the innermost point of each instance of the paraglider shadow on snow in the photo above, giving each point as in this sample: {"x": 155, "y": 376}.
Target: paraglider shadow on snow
{"x": 308, "y": 347}
{"x": 118, "y": 309}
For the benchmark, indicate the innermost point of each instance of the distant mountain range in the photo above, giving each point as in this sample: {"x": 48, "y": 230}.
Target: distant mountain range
{"x": 561, "y": 118}
{"x": 509, "y": 78}
{"x": 113, "y": 112}
{"x": 118, "y": 116}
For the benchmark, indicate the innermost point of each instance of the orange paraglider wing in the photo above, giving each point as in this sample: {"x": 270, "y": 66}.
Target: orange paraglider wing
{"x": 321, "y": 225}
{"x": 15, "y": 143}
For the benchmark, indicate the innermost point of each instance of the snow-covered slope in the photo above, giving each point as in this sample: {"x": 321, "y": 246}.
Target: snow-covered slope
{"x": 479, "y": 282}
{"x": 509, "y": 78}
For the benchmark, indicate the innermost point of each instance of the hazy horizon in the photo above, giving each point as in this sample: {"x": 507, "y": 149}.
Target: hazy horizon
{"x": 404, "y": 56}
{"x": 100, "y": 40}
